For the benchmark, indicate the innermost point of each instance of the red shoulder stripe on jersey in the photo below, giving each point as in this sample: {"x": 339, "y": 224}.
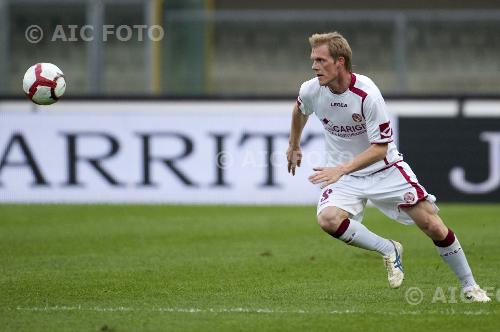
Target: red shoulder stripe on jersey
{"x": 358, "y": 91}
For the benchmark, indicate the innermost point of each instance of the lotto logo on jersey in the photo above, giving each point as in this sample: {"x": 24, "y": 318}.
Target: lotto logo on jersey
{"x": 385, "y": 130}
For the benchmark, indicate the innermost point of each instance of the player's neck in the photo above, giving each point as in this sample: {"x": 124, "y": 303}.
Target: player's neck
{"x": 341, "y": 84}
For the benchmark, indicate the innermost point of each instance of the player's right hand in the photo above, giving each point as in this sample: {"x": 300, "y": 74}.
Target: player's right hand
{"x": 294, "y": 157}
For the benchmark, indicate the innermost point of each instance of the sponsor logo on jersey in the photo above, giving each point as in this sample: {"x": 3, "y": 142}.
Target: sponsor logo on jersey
{"x": 344, "y": 131}
{"x": 338, "y": 105}
{"x": 409, "y": 197}
{"x": 357, "y": 117}
{"x": 385, "y": 130}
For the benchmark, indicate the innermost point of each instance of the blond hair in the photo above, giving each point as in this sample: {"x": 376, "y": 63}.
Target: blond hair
{"x": 337, "y": 45}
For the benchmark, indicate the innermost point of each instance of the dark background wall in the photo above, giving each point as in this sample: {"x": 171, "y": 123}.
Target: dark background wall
{"x": 362, "y": 4}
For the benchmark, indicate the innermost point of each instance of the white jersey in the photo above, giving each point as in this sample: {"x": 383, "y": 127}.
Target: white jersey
{"x": 352, "y": 120}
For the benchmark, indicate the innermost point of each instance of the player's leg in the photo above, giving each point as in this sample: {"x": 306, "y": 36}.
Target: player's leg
{"x": 425, "y": 216}
{"x": 335, "y": 221}
{"x": 340, "y": 212}
{"x": 397, "y": 193}
{"x": 447, "y": 244}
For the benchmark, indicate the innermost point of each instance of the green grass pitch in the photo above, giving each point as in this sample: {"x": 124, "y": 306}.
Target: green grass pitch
{"x": 202, "y": 268}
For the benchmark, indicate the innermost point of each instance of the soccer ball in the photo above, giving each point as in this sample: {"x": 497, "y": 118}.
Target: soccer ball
{"x": 44, "y": 83}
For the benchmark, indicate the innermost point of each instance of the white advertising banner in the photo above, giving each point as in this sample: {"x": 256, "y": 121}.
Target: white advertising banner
{"x": 154, "y": 152}
{"x": 219, "y": 152}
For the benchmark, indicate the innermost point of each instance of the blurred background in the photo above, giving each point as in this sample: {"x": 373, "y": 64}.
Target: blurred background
{"x": 254, "y": 48}
{"x": 172, "y": 105}
{"x": 166, "y": 65}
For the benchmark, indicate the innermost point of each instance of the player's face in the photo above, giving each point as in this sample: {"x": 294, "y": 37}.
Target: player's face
{"x": 324, "y": 66}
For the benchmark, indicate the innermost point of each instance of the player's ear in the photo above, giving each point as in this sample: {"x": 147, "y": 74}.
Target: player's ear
{"x": 341, "y": 61}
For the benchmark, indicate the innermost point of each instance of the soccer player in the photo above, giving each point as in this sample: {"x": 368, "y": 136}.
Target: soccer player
{"x": 364, "y": 164}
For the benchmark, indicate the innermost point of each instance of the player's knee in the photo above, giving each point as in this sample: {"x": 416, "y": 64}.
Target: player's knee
{"x": 426, "y": 223}
{"x": 433, "y": 226}
{"x": 330, "y": 219}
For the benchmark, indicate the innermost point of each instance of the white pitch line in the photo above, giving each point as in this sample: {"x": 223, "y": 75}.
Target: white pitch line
{"x": 79, "y": 307}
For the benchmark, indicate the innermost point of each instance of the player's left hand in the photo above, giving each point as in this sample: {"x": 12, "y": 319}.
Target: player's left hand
{"x": 326, "y": 175}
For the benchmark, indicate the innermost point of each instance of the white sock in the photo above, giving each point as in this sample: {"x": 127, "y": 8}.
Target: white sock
{"x": 356, "y": 234}
{"x": 452, "y": 253}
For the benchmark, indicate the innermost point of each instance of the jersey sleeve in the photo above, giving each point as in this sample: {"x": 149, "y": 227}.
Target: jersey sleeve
{"x": 377, "y": 120}
{"x": 305, "y": 99}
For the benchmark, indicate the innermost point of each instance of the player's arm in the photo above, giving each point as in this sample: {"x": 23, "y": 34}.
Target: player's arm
{"x": 379, "y": 134}
{"x": 329, "y": 175}
{"x": 294, "y": 153}
{"x": 374, "y": 153}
